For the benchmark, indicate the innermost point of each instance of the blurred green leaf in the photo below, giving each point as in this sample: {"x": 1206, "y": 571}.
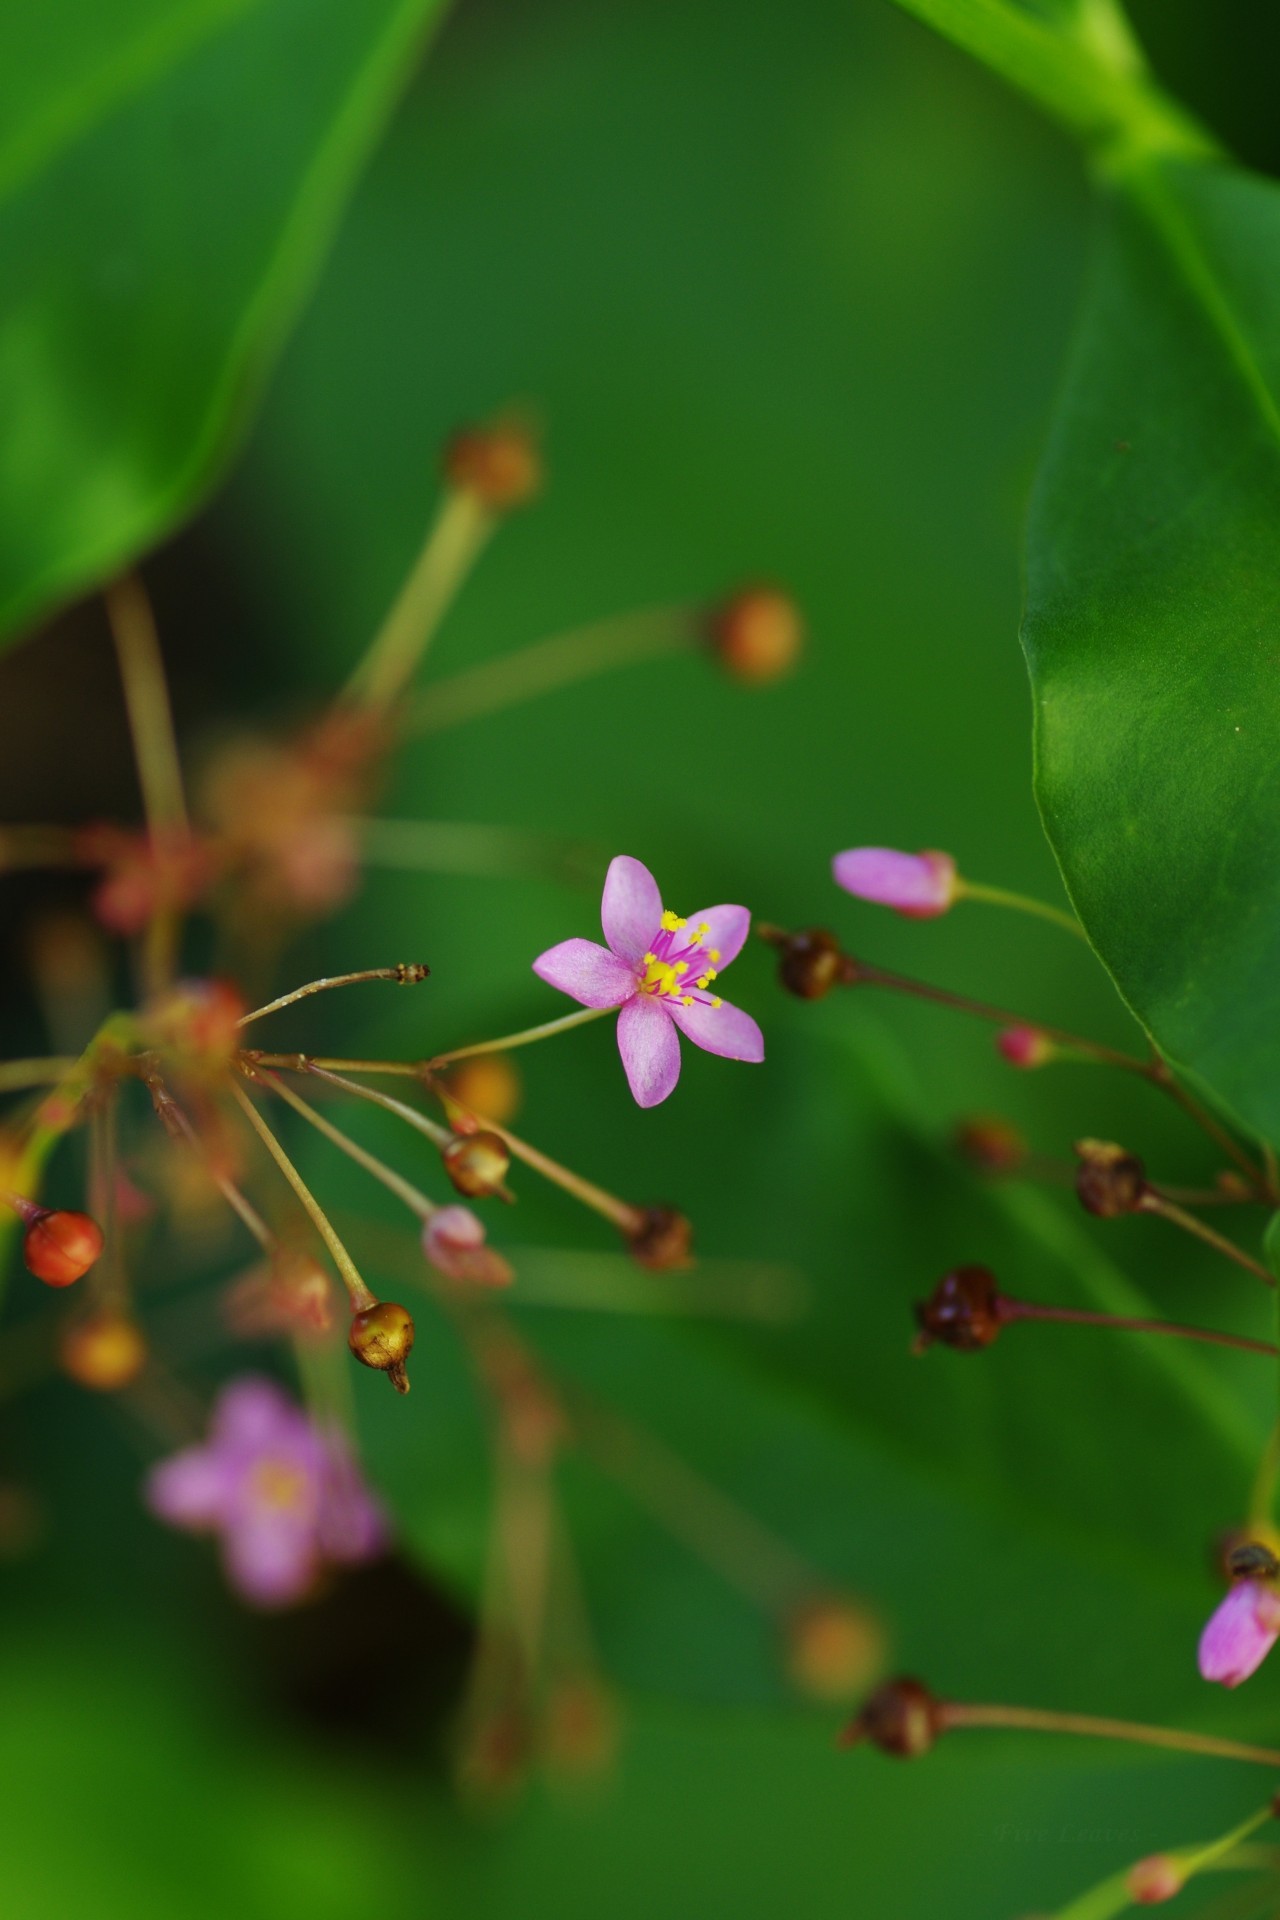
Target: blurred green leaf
{"x": 1152, "y": 628}
{"x": 170, "y": 177}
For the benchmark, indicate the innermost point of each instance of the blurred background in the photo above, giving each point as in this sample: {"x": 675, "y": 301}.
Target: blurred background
{"x": 789, "y": 290}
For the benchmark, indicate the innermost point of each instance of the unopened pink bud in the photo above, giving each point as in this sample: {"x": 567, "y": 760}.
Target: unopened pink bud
{"x": 1240, "y": 1632}
{"x": 1025, "y": 1046}
{"x": 921, "y": 885}
{"x": 453, "y": 1241}
{"x": 1157, "y": 1878}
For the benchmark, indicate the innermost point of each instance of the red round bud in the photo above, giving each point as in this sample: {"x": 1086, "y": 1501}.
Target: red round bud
{"x": 963, "y": 1311}
{"x": 990, "y": 1144}
{"x": 758, "y": 634}
{"x": 1109, "y": 1179}
{"x": 381, "y": 1337}
{"x": 477, "y": 1163}
{"x": 60, "y": 1248}
{"x": 902, "y": 1718}
{"x": 104, "y": 1353}
{"x": 1025, "y": 1047}
{"x": 1152, "y": 1881}
{"x": 499, "y": 464}
{"x": 663, "y": 1241}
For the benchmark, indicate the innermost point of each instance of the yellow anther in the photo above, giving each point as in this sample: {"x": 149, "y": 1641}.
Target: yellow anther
{"x": 671, "y": 922}
{"x": 704, "y": 983}
{"x": 715, "y": 1004}
{"x": 715, "y": 954}
{"x": 686, "y": 1000}
{"x": 682, "y": 966}
{"x": 649, "y": 959}
{"x": 704, "y": 928}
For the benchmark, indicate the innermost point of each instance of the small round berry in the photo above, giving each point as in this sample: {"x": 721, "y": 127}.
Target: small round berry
{"x": 963, "y": 1311}
{"x": 990, "y": 1144}
{"x": 477, "y": 1163}
{"x": 902, "y": 1718}
{"x": 381, "y": 1337}
{"x": 499, "y": 464}
{"x": 60, "y": 1248}
{"x": 1109, "y": 1179}
{"x": 1152, "y": 1881}
{"x": 105, "y": 1352}
{"x": 758, "y": 634}
{"x": 1025, "y": 1047}
{"x": 833, "y": 1648}
{"x": 662, "y": 1241}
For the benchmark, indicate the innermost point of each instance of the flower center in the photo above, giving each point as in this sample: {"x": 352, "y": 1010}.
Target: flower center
{"x": 279, "y": 1485}
{"x": 678, "y": 966}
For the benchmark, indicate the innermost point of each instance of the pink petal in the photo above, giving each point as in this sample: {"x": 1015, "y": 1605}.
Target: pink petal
{"x": 650, "y": 1050}
{"x": 631, "y": 910}
{"x": 588, "y": 972}
{"x": 1240, "y": 1633}
{"x": 725, "y": 1030}
{"x": 192, "y": 1489}
{"x": 270, "y": 1562}
{"x": 252, "y": 1414}
{"x": 728, "y": 930}
{"x": 917, "y": 884}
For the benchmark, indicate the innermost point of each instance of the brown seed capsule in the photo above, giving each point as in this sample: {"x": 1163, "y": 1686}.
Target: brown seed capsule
{"x": 811, "y": 963}
{"x": 757, "y": 634}
{"x": 663, "y": 1241}
{"x": 1109, "y": 1179}
{"x": 477, "y": 1163}
{"x": 901, "y": 1717}
{"x": 61, "y": 1247}
{"x": 499, "y": 463}
{"x": 104, "y": 1352}
{"x": 381, "y": 1337}
{"x": 1252, "y": 1560}
{"x": 990, "y": 1144}
{"x": 963, "y": 1311}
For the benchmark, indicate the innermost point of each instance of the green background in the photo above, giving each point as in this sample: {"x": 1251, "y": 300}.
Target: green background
{"x": 791, "y": 289}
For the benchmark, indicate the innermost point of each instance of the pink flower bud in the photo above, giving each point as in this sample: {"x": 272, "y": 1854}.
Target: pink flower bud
{"x": 920, "y": 885}
{"x": 1152, "y": 1881}
{"x": 453, "y": 1241}
{"x": 1025, "y": 1046}
{"x": 1240, "y": 1632}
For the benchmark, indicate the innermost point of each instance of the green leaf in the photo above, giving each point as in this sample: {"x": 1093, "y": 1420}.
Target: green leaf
{"x": 1153, "y": 623}
{"x": 170, "y": 178}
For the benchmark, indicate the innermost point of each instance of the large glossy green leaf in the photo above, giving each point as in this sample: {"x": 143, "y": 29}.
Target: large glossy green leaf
{"x": 169, "y": 179}
{"x": 1153, "y": 622}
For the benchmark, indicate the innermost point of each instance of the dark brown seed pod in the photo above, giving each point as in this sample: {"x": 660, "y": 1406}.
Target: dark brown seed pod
{"x": 810, "y": 963}
{"x": 477, "y": 1163}
{"x": 1109, "y": 1179}
{"x": 381, "y": 1337}
{"x": 901, "y": 1718}
{"x": 963, "y": 1311}
{"x": 663, "y": 1241}
{"x": 500, "y": 464}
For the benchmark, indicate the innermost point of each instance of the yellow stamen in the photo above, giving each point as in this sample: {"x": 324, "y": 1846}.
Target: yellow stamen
{"x": 686, "y": 999}
{"x": 671, "y": 922}
{"x": 682, "y": 966}
{"x": 715, "y": 954}
{"x": 715, "y": 1004}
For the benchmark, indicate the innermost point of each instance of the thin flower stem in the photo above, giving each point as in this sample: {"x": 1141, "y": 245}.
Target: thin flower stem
{"x": 1021, "y": 903}
{"x": 1153, "y": 1202}
{"x": 628, "y": 1219}
{"x": 37, "y": 847}
{"x": 1078, "y": 1316}
{"x": 146, "y": 698}
{"x": 954, "y": 1714}
{"x": 155, "y": 750}
{"x": 361, "y": 1298}
{"x": 523, "y": 1039}
{"x": 740, "y": 1548}
{"x": 16, "y": 1075}
{"x": 177, "y": 1123}
{"x": 405, "y": 974}
{"x": 438, "y": 1136}
{"x": 1262, "y": 1494}
{"x": 323, "y": 1063}
{"x": 453, "y": 543}
{"x": 107, "y": 1279}
{"x": 559, "y": 661}
{"x": 1154, "y": 1070}
{"x": 403, "y": 1189}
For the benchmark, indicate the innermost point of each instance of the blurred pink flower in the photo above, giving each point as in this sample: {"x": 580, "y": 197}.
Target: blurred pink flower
{"x": 657, "y": 970}
{"x": 453, "y": 1241}
{"x": 921, "y": 885}
{"x": 285, "y": 1496}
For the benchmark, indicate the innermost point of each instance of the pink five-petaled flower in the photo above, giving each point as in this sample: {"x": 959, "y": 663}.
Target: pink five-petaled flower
{"x": 658, "y": 970}
{"x": 284, "y": 1495}
{"x": 1240, "y": 1632}
{"x": 921, "y": 885}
